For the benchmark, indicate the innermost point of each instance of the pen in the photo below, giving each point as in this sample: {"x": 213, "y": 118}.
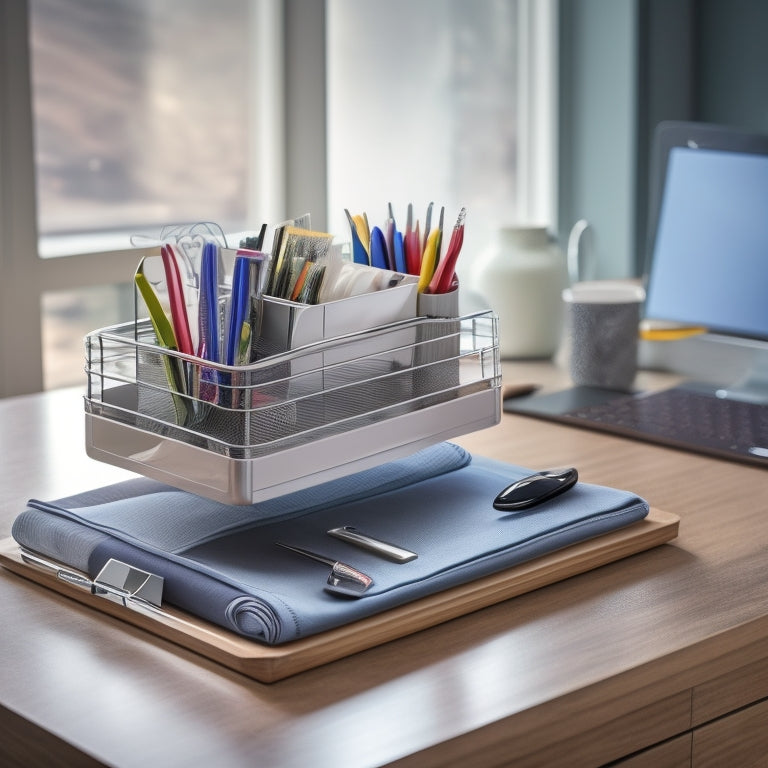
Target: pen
{"x": 208, "y": 316}
{"x": 244, "y": 319}
{"x": 359, "y": 252}
{"x": 176, "y": 298}
{"x": 428, "y": 223}
{"x": 440, "y": 235}
{"x": 174, "y": 372}
{"x": 399, "y": 253}
{"x": 208, "y": 321}
{"x": 378, "y": 249}
{"x": 428, "y": 261}
{"x": 413, "y": 250}
{"x": 390, "y": 238}
{"x": 160, "y": 322}
{"x": 444, "y": 274}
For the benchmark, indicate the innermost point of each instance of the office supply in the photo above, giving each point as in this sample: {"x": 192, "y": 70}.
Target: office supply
{"x": 160, "y": 323}
{"x": 210, "y": 327}
{"x": 177, "y": 299}
{"x": 322, "y": 410}
{"x": 359, "y": 239}
{"x": 238, "y": 328}
{"x": 705, "y": 268}
{"x": 389, "y": 234}
{"x": 343, "y": 579}
{"x": 277, "y": 253}
{"x": 269, "y": 664}
{"x": 428, "y": 260}
{"x": 394, "y": 241}
{"x": 444, "y": 276}
{"x": 379, "y": 249}
{"x": 399, "y": 246}
{"x": 312, "y": 285}
{"x": 124, "y": 584}
{"x": 536, "y": 489}
{"x": 685, "y": 417}
{"x": 297, "y": 248}
{"x": 172, "y": 366}
{"x": 390, "y": 551}
{"x": 248, "y": 282}
{"x": 660, "y": 331}
{"x": 428, "y": 222}
{"x": 220, "y": 562}
{"x": 412, "y": 245}
{"x": 439, "y": 245}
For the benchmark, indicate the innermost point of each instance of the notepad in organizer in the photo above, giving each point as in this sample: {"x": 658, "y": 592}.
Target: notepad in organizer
{"x": 221, "y": 562}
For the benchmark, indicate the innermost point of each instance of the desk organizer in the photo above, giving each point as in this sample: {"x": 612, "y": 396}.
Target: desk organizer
{"x": 323, "y": 410}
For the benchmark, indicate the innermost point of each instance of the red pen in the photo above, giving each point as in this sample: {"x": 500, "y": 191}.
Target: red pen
{"x": 444, "y": 274}
{"x": 176, "y": 298}
{"x": 413, "y": 251}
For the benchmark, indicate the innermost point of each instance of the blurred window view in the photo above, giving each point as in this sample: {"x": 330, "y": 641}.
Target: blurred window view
{"x": 423, "y": 105}
{"x": 140, "y": 113}
{"x": 140, "y": 120}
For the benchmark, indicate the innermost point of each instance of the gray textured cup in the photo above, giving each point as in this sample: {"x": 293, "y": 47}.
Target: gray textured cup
{"x": 603, "y": 319}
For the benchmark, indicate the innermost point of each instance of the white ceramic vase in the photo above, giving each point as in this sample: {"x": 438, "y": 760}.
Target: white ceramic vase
{"x": 521, "y": 276}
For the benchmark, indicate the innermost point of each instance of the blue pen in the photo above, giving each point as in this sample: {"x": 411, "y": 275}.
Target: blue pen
{"x": 208, "y": 347}
{"x": 378, "y": 249}
{"x": 208, "y": 321}
{"x": 399, "y": 252}
{"x": 245, "y": 311}
{"x": 238, "y": 311}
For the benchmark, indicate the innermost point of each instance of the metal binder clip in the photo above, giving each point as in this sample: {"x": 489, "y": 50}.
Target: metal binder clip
{"x": 121, "y": 583}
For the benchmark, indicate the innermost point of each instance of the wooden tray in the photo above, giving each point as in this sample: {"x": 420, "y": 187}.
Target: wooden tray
{"x": 270, "y": 663}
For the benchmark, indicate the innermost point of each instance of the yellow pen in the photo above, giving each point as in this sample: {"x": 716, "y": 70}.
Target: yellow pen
{"x": 428, "y": 260}
{"x": 363, "y": 231}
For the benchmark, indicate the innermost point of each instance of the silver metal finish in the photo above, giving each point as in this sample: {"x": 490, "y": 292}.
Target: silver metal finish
{"x": 294, "y": 419}
{"x": 343, "y": 579}
{"x": 390, "y": 551}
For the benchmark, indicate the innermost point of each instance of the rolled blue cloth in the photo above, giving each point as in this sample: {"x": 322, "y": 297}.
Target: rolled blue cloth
{"x": 221, "y": 562}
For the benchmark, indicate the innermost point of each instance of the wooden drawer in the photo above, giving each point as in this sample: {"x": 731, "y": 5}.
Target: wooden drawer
{"x": 738, "y": 739}
{"x": 675, "y": 753}
{"x": 729, "y": 692}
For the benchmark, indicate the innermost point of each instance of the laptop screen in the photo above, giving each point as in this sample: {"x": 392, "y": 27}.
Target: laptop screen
{"x": 710, "y": 245}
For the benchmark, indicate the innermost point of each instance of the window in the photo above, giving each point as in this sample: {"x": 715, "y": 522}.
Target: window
{"x": 141, "y": 119}
{"x": 432, "y": 101}
{"x": 117, "y": 119}
{"x": 122, "y": 117}
{"x": 140, "y": 115}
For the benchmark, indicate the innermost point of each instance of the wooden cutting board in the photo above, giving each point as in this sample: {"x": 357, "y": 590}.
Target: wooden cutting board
{"x": 270, "y": 663}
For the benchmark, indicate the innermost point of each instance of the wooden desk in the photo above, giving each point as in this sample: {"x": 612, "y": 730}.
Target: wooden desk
{"x": 646, "y": 658}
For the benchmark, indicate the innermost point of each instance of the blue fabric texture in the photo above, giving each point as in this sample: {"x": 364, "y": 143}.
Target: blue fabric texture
{"x": 222, "y": 564}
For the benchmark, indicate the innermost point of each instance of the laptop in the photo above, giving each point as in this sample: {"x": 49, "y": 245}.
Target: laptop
{"x": 706, "y": 266}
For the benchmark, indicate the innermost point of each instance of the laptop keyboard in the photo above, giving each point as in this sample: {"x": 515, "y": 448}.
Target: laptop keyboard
{"x": 686, "y": 419}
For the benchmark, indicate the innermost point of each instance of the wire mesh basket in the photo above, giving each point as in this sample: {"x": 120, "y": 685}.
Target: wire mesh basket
{"x": 295, "y": 418}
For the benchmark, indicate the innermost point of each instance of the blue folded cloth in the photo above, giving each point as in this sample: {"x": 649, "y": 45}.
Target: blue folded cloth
{"x": 221, "y": 562}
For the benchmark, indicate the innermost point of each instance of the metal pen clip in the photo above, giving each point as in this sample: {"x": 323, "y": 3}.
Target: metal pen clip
{"x": 383, "y": 548}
